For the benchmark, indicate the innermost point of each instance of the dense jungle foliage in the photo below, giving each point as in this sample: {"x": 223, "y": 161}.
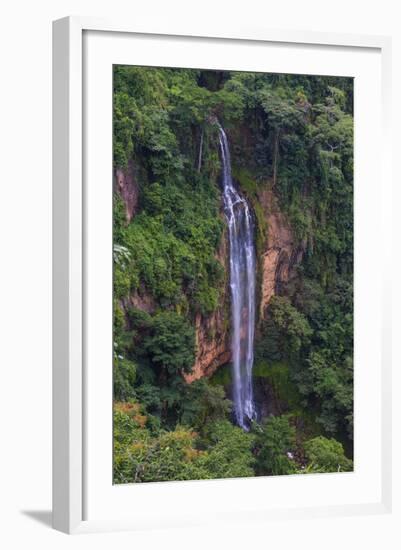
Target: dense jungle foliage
{"x": 293, "y": 135}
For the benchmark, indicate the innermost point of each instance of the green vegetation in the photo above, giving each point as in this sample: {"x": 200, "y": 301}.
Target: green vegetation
{"x": 276, "y": 441}
{"x": 291, "y": 142}
{"x": 326, "y": 455}
{"x": 140, "y": 455}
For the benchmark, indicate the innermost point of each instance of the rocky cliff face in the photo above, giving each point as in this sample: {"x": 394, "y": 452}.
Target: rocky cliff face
{"x": 125, "y": 183}
{"x": 279, "y": 257}
{"x": 212, "y": 332}
{"x": 212, "y": 346}
{"x": 281, "y": 253}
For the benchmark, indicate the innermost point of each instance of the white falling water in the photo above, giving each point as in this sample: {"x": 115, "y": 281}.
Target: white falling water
{"x": 242, "y": 284}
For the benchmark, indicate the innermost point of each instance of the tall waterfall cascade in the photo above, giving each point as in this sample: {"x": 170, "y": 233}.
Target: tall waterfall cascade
{"x": 242, "y": 284}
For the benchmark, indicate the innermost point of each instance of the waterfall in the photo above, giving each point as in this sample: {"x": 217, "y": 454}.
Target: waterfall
{"x": 242, "y": 285}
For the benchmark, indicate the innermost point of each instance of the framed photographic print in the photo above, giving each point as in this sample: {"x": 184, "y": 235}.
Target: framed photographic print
{"x": 219, "y": 321}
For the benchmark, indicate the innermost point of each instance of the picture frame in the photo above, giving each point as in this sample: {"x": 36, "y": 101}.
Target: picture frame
{"x": 72, "y": 398}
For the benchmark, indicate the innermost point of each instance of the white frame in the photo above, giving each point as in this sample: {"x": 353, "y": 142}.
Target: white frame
{"x": 68, "y": 259}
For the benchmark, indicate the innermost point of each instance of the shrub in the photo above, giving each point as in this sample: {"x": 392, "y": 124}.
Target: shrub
{"x": 326, "y": 455}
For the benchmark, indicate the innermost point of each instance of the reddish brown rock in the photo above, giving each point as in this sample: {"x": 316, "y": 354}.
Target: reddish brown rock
{"x": 126, "y": 186}
{"x": 143, "y": 301}
{"x": 212, "y": 346}
{"x": 280, "y": 253}
{"x": 212, "y": 332}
